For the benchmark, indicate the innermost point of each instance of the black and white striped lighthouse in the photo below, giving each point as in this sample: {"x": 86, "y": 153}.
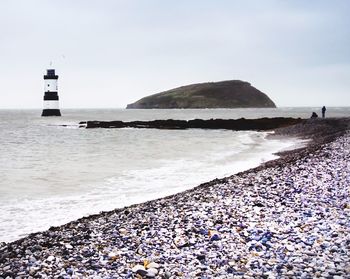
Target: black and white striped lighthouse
{"x": 51, "y": 107}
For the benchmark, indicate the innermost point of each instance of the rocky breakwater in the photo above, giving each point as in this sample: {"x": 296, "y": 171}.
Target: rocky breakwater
{"x": 287, "y": 220}
{"x": 228, "y": 124}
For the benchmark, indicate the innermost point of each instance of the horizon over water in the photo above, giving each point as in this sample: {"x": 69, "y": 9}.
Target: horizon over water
{"x": 51, "y": 174}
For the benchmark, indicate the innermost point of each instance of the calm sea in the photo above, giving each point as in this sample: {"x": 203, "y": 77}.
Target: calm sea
{"x": 50, "y": 174}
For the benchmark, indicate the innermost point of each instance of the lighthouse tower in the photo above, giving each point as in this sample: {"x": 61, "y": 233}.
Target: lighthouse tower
{"x": 51, "y": 107}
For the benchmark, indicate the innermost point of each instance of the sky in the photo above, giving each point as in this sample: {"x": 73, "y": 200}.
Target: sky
{"x": 109, "y": 53}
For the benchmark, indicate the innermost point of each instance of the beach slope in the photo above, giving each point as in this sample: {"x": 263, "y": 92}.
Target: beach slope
{"x": 287, "y": 218}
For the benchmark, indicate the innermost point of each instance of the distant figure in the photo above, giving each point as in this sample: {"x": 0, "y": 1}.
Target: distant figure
{"x": 323, "y": 112}
{"x": 314, "y": 115}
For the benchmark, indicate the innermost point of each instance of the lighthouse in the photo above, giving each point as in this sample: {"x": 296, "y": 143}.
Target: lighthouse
{"x": 51, "y": 107}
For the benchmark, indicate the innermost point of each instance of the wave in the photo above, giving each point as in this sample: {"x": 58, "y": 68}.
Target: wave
{"x": 192, "y": 158}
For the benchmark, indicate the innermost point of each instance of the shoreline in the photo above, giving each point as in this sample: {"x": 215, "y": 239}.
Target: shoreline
{"x": 172, "y": 177}
{"x": 186, "y": 234}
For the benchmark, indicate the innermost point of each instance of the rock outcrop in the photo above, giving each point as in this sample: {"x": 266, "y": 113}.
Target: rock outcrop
{"x": 261, "y": 124}
{"x": 224, "y": 94}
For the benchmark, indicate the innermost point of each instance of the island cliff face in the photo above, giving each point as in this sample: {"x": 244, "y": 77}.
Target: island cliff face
{"x": 223, "y": 94}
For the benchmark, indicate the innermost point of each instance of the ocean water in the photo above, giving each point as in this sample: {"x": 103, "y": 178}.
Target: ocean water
{"x": 51, "y": 174}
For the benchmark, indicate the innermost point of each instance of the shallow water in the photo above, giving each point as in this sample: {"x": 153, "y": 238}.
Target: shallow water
{"x": 52, "y": 174}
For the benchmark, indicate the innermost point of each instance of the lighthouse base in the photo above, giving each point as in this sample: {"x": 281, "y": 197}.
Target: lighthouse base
{"x": 51, "y": 112}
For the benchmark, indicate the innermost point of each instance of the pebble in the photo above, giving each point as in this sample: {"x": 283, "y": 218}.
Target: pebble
{"x": 137, "y": 268}
{"x": 152, "y": 272}
{"x": 50, "y": 258}
{"x": 290, "y": 248}
{"x": 289, "y": 220}
{"x": 153, "y": 265}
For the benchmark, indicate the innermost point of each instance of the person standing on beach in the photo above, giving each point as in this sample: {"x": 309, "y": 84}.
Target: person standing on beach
{"x": 323, "y": 112}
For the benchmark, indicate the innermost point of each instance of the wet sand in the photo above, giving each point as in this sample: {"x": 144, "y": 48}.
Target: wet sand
{"x": 288, "y": 218}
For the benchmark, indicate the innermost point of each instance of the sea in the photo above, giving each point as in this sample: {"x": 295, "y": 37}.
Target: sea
{"x": 53, "y": 172}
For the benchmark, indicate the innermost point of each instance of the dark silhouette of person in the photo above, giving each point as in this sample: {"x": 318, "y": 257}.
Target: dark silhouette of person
{"x": 323, "y": 111}
{"x": 314, "y": 115}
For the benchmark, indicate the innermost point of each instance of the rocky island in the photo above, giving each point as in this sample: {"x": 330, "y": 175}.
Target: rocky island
{"x": 223, "y": 94}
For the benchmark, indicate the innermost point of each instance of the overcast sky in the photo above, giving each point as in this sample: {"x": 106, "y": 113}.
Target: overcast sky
{"x": 109, "y": 53}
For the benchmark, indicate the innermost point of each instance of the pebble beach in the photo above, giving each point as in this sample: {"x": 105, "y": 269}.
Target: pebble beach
{"x": 289, "y": 218}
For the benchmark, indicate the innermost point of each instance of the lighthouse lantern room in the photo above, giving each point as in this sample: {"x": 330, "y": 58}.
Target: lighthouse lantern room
{"x": 51, "y": 107}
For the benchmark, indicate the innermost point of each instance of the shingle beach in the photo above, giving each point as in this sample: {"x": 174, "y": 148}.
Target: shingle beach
{"x": 289, "y": 218}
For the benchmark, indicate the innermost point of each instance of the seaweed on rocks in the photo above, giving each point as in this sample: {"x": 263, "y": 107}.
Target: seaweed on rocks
{"x": 260, "y": 124}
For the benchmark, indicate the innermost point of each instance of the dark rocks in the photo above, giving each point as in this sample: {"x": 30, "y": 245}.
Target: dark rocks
{"x": 260, "y": 124}
{"x": 258, "y": 204}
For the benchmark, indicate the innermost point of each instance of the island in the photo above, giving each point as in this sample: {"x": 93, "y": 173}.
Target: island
{"x": 223, "y": 94}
